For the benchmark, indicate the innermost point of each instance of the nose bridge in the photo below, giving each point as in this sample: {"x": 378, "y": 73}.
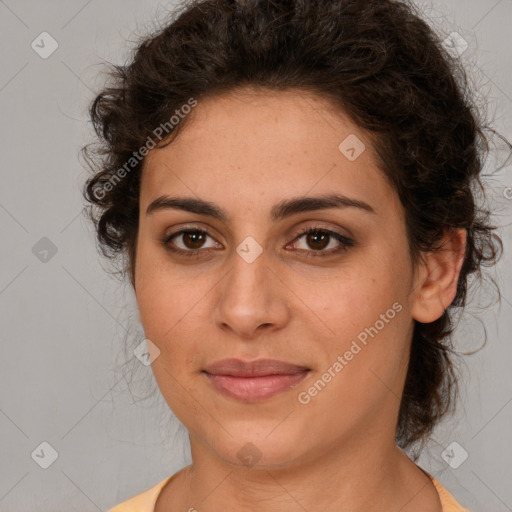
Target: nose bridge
{"x": 249, "y": 279}
{"x": 250, "y": 295}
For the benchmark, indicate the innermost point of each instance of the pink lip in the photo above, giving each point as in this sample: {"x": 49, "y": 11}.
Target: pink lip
{"x": 254, "y": 381}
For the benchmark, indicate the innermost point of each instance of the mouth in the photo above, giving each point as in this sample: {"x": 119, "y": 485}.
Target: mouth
{"x": 254, "y": 381}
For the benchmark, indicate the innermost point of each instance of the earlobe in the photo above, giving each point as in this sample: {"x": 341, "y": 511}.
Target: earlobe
{"x": 436, "y": 283}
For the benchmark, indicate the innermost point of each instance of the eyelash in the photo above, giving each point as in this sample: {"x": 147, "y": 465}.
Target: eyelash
{"x": 345, "y": 242}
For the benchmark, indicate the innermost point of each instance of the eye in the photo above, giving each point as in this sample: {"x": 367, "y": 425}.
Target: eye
{"x": 319, "y": 238}
{"x": 190, "y": 242}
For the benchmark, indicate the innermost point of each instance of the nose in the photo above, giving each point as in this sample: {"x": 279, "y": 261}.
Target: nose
{"x": 251, "y": 299}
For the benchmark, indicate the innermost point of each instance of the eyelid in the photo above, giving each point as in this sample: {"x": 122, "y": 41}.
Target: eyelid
{"x": 183, "y": 229}
{"x": 344, "y": 241}
{"x": 320, "y": 227}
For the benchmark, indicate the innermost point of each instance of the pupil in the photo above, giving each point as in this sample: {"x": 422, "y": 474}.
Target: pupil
{"x": 195, "y": 237}
{"x": 321, "y": 236}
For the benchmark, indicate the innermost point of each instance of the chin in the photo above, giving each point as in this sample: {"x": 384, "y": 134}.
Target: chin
{"x": 262, "y": 452}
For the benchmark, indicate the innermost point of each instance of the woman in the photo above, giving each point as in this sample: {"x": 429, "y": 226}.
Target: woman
{"x": 292, "y": 183}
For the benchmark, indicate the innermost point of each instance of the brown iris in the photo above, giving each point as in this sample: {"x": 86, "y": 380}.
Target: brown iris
{"x": 196, "y": 239}
{"x": 317, "y": 238}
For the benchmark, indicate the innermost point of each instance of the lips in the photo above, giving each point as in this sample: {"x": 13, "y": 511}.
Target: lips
{"x": 252, "y": 381}
{"x": 258, "y": 368}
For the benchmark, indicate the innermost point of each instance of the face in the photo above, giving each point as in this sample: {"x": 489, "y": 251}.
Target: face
{"x": 250, "y": 285}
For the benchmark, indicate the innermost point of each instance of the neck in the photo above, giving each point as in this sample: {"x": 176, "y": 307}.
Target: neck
{"x": 356, "y": 477}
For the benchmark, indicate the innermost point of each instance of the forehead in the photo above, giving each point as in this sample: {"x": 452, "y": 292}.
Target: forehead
{"x": 256, "y": 145}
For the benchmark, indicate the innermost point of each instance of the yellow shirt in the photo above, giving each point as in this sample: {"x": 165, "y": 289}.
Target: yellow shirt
{"x": 145, "y": 502}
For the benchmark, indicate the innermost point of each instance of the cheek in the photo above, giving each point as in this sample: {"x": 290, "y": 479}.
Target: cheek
{"x": 167, "y": 313}
{"x": 166, "y": 308}
{"x": 171, "y": 304}
{"x": 365, "y": 317}
{"x": 161, "y": 298}
{"x": 363, "y": 362}
{"x": 343, "y": 304}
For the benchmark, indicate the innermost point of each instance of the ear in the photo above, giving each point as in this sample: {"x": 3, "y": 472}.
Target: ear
{"x": 435, "y": 284}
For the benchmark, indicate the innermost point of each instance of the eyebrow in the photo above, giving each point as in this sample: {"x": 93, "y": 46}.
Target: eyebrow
{"x": 280, "y": 211}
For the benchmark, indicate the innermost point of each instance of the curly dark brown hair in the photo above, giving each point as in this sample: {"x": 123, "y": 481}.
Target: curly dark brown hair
{"x": 382, "y": 64}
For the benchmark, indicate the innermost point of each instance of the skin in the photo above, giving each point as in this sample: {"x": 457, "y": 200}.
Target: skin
{"x": 247, "y": 151}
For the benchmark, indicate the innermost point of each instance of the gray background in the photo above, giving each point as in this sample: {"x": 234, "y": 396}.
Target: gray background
{"x": 65, "y": 321}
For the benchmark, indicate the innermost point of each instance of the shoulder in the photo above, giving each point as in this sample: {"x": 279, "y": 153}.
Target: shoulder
{"x": 143, "y": 502}
{"x": 447, "y": 500}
